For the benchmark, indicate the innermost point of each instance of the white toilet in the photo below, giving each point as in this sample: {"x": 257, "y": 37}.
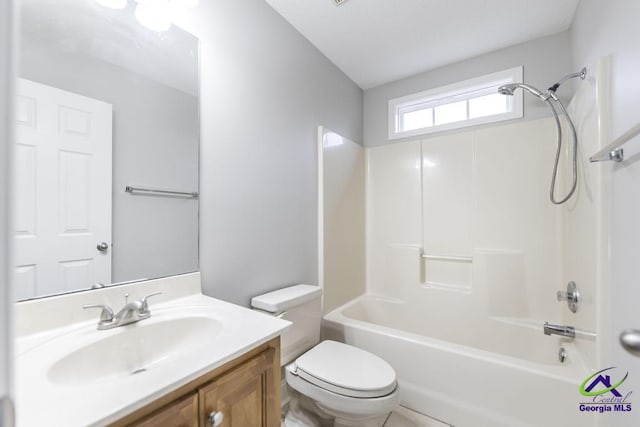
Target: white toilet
{"x": 334, "y": 384}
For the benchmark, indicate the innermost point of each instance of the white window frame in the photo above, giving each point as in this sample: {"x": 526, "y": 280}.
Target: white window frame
{"x": 465, "y": 90}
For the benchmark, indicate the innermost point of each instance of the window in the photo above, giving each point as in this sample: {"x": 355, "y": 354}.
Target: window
{"x": 468, "y": 103}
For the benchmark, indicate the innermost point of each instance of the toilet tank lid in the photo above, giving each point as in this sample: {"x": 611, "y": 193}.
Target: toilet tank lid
{"x": 283, "y": 299}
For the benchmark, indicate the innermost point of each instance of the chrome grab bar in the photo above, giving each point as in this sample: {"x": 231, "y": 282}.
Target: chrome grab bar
{"x": 447, "y": 258}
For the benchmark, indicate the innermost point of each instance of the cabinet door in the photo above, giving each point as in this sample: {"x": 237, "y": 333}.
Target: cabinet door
{"x": 240, "y": 395}
{"x": 182, "y": 413}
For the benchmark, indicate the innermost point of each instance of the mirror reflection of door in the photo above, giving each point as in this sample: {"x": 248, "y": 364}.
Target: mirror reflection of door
{"x": 63, "y": 191}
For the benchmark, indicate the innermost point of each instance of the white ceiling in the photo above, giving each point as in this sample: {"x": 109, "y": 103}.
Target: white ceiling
{"x": 378, "y": 41}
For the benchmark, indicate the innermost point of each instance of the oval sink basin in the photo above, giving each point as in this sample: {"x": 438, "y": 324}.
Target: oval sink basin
{"x": 134, "y": 349}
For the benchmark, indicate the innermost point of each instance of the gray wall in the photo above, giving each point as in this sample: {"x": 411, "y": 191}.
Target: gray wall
{"x": 155, "y": 143}
{"x": 264, "y": 89}
{"x": 545, "y": 61}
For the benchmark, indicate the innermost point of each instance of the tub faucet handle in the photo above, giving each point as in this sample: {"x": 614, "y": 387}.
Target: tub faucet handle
{"x": 571, "y": 296}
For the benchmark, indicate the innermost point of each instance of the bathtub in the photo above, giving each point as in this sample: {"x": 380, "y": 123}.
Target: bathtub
{"x": 497, "y": 373}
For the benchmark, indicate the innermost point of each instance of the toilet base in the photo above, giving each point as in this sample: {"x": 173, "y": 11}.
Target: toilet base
{"x": 304, "y": 412}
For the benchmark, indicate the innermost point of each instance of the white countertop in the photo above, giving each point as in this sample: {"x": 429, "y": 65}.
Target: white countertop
{"x": 44, "y": 400}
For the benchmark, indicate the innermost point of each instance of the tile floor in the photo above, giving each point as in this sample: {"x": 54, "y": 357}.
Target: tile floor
{"x": 403, "y": 417}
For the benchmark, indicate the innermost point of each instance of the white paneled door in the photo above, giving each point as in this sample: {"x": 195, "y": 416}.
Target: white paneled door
{"x": 63, "y": 191}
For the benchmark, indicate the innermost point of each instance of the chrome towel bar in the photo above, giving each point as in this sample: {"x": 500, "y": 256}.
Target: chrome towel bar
{"x": 614, "y": 150}
{"x": 159, "y": 192}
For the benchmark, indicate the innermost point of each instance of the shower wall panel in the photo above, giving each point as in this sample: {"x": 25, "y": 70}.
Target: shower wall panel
{"x": 342, "y": 218}
{"x": 481, "y": 196}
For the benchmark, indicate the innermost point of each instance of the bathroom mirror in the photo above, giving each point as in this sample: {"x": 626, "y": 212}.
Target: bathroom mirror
{"x": 104, "y": 105}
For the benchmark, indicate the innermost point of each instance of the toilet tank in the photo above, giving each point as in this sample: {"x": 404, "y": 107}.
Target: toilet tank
{"x": 299, "y": 304}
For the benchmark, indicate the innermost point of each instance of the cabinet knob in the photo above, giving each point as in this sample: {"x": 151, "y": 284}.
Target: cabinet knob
{"x": 216, "y": 418}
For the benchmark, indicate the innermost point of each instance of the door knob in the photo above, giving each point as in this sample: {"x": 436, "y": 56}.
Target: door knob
{"x": 630, "y": 341}
{"x": 102, "y": 246}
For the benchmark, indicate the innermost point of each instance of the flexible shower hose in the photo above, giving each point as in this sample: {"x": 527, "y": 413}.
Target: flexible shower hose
{"x": 559, "y": 149}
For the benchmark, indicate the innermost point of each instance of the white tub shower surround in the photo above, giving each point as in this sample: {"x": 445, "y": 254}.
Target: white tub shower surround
{"x": 465, "y": 335}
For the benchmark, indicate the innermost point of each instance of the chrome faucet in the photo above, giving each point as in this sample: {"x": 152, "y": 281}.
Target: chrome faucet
{"x": 563, "y": 331}
{"x": 132, "y": 312}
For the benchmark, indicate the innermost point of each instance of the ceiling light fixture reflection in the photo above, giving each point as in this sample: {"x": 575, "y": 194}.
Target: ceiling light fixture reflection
{"x": 186, "y": 4}
{"x": 113, "y": 4}
{"x": 155, "y": 16}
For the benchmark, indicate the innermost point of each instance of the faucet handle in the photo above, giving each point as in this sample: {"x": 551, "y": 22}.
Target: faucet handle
{"x": 107, "y": 313}
{"x": 144, "y": 308}
{"x": 571, "y": 296}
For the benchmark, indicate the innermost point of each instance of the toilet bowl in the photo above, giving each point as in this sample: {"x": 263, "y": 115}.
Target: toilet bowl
{"x": 353, "y": 386}
{"x": 331, "y": 383}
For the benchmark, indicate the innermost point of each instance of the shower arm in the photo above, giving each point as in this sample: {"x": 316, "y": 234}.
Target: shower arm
{"x": 582, "y": 74}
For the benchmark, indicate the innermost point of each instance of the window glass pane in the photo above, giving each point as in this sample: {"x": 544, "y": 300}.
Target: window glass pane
{"x": 417, "y": 119}
{"x": 487, "y": 105}
{"x": 449, "y": 113}
{"x": 467, "y": 103}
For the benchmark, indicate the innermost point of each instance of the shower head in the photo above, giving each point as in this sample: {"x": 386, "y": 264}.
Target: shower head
{"x": 507, "y": 89}
{"x": 511, "y": 88}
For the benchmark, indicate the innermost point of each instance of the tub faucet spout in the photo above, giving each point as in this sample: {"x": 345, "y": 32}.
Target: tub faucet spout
{"x": 563, "y": 331}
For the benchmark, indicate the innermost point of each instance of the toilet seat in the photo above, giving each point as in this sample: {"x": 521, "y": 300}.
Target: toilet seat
{"x": 341, "y": 405}
{"x": 345, "y": 370}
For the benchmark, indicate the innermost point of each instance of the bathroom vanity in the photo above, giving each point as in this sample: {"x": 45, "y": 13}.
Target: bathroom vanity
{"x": 243, "y": 392}
{"x": 195, "y": 359}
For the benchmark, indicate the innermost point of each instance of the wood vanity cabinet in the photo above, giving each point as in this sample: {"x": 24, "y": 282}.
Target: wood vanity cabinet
{"x": 183, "y": 412}
{"x": 246, "y": 391}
